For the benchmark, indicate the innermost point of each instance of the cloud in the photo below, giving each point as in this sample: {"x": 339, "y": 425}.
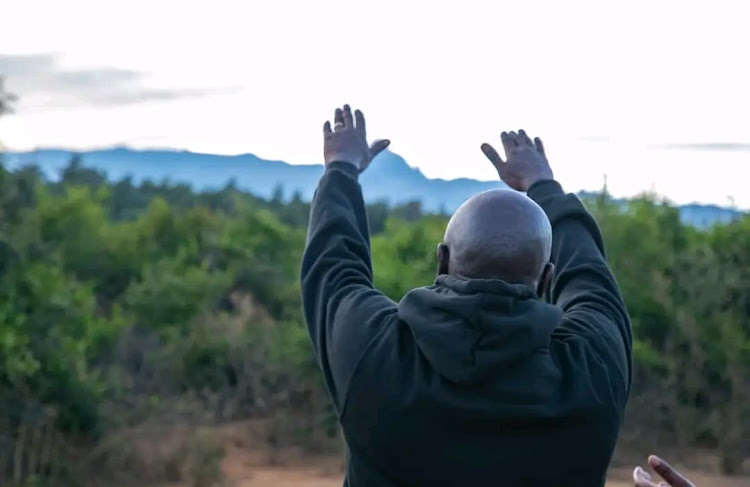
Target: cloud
{"x": 708, "y": 146}
{"x": 39, "y": 75}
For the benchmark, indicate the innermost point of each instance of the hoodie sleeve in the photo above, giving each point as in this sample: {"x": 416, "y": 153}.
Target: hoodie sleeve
{"x": 344, "y": 313}
{"x": 583, "y": 286}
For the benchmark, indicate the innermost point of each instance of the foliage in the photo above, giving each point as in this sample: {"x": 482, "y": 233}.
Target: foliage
{"x": 120, "y": 301}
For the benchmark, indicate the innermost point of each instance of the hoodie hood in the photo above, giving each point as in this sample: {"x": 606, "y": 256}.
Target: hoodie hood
{"x": 469, "y": 329}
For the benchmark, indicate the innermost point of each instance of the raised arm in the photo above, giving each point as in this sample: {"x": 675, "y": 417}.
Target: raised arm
{"x": 583, "y": 286}
{"x": 342, "y": 309}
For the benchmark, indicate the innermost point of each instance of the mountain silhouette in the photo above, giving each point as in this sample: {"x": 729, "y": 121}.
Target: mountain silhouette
{"x": 389, "y": 178}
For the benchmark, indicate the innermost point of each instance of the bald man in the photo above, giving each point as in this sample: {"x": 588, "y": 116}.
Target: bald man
{"x": 512, "y": 369}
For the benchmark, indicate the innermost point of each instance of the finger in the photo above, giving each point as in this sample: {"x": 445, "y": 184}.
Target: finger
{"x": 327, "y": 128}
{"x": 639, "y": 473}
{"x": 523, "y": 138}
{"x": 641, "y": 478}
{"x": 509, "y": 141}
{"x": 539, "y": 146}
{"x": 338, "y": 120}
{"x": 495, "y": 159}
{"x": 378, "y": 146}
{"x": 360, "y": 121}
{"x": 348, "y": 120}
{"x": 665, "y": 470}
{"x": 492, "y": 155}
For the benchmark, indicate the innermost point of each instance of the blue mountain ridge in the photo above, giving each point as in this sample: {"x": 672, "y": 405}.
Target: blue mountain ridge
{"x": 389, "y": 178}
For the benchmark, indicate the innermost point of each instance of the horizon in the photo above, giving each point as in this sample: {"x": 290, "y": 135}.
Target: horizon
{"x": 611, "y": 96}
{"x": 731, "y": 206}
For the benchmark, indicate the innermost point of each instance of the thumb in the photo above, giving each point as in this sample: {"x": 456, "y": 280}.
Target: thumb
{"x": 494, "y": 158}
{"x": 378, "y": 146}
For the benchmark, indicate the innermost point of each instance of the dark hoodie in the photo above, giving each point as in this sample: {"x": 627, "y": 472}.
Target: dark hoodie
{"x": 468, "y": 382}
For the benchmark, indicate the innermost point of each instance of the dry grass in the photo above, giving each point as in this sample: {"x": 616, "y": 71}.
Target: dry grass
{"x": 248, "y": 462}
{"x": 239, "y": 455}
{"x": 152, "y": 454}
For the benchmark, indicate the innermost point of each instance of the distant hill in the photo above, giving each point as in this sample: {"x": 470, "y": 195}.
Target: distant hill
{"x": 388, "y": 179}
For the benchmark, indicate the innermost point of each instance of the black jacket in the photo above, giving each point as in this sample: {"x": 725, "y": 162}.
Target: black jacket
{"x": 468, "y": 382}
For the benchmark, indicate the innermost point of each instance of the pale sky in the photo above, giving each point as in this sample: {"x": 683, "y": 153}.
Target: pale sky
{"x": 601, "y": 82}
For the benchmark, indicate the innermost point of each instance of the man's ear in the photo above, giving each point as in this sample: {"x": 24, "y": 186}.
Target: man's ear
{"x": 545, "y": 281}
{"x": 443, "y": 258}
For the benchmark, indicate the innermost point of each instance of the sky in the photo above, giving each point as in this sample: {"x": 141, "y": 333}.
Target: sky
{"x": 653, "y": 94}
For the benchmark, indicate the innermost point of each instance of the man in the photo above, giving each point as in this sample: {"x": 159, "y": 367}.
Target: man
{"x": 474, "y": 380}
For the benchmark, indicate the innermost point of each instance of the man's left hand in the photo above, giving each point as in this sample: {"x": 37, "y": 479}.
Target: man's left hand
{"x": 347, "y": 142}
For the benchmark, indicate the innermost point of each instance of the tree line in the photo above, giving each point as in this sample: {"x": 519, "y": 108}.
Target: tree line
{"x": 120, "y": 298}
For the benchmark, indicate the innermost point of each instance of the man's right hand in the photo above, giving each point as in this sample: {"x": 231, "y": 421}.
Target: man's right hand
{"x": 347, "y": 141}
{"x": 526, "y": 162}
{"x": 672, "y": 477}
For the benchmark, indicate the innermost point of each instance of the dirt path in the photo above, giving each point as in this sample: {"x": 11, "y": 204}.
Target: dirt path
{"x": 312, "y": 477}
{"x": 326, "y": 472}
{"x": 247, "y": 465}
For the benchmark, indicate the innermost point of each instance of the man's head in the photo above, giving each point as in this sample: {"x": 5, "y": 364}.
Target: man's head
{"x": 498, "y": 234}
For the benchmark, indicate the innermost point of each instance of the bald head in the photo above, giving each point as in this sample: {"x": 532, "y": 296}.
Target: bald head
{"x": 499, "y": 234}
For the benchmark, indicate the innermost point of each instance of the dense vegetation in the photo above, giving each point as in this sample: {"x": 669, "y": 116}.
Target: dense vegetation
{"x": 124, "y": 305}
